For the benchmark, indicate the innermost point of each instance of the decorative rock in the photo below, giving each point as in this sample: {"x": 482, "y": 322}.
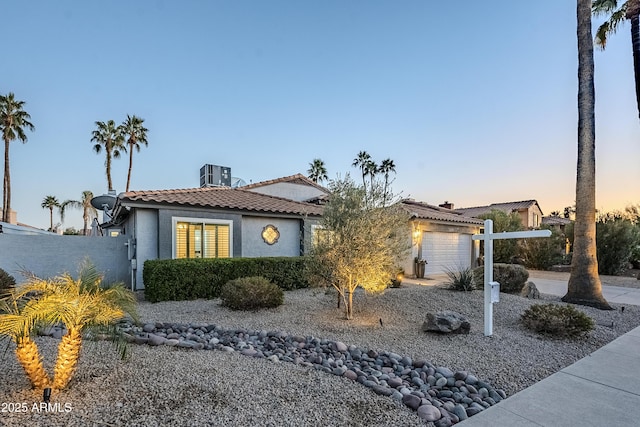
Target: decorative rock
{"x": 446, "y": 322}
{"x": 412, "y": 401}
{"x": 394, "y": 382}
{"x": 384, "y": 391}
{"x": 156, "y": 340}
{"x": 443, "y": 422}
{"x": 340, "y": 346}
{"x": 149, "y": 327}
{"x": 171, "y": 343}
{"x": 429, "y": 413}
{"x": 460, "y": 412}
{"x": 530, "y": 291}
{"x": 350, "y": 374}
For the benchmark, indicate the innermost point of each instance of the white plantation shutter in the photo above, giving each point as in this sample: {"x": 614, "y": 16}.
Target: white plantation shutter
{"x": 202, "y": 240}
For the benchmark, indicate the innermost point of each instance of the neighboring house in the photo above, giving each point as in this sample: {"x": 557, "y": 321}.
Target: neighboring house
{"x": 295, "y": 187}
{"x": 528, "y": 210}
{"x": 557, "y": 223}
{"x": 442, "y": 237}
{"x": 210, "y": 222}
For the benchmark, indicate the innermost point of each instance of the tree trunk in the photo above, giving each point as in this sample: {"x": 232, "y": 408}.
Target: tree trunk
{"x": 31, "y": 361}
{"x": 67, "y": 361}
{"x": 633, "y": 14}
{"x": 6, "y": 192}
{"x": 130, "y": 166}
{"x": 107, "y": 148}
{"x": 584, "y": 286}
{"x": 348, "y": 305}
{"x": 50, "y": 218}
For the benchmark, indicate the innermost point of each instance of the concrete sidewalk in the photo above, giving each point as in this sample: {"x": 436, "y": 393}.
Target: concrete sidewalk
{"x": 613, "y": 294}
{"x": 602, "y": 389}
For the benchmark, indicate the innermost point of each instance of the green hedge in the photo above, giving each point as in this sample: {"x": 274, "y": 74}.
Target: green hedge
{"x": 185, "y": 279}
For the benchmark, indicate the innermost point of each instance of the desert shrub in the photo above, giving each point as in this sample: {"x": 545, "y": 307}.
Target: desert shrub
{"x": 557, "y": 320}
{"x": 511, "y": 277}
{"x": 7, "y": 282}
{"x": 460, "y": 279}
{"x": 186, "y": 279}
{"x": 504, "y": 250}
{"x": 616, "y": 239}
{"x": 251, "y": 293}
{"x": 542, "y": 253}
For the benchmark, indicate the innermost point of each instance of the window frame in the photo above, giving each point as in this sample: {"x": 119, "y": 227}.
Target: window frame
{"x": 204, "y": 221}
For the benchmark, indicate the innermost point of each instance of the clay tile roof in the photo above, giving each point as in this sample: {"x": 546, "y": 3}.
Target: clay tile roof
{"x": 292, "y": 179}
{"x": 507, "y": 207}
{"x": 422, "y": 210}
{"x": 222, "y": 198}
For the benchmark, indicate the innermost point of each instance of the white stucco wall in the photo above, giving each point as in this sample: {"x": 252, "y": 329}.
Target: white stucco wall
{"x": 253, "y": 245}
{"x": 289, "y": 191}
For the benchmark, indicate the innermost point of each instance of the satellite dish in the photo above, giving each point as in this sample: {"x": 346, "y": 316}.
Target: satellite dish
{"x": 106, "y": 202}
{"x": 237, "y": 182}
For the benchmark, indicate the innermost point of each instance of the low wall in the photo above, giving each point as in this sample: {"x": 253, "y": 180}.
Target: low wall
{"x": 51, "y": 255}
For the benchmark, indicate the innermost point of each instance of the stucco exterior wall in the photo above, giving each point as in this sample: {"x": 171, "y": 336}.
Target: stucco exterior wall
{"x": 48, "y": 256}
{"x": 288, "y": 243}
{"x": 145, "y": 227}
{"x": 289, "y": 191}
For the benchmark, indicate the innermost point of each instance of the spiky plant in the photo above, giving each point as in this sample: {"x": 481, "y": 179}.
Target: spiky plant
{"x": 18, "y": 318}
{"x": 79, "y": 304}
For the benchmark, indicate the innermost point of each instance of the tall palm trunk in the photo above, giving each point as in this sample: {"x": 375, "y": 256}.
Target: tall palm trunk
{"x": 6, "y": 187}
{"x": 107, "y": 148}
{"x": 31, "y": 361}
{"x": 67, "y": 361}
{"x": 130, "y": 165}
{"x": 584, "y": 286}
{"x": 51, "y": 218}
{"x": 633, "y": 14}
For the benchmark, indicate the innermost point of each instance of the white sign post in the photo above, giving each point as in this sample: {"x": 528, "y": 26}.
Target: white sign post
{"x": 489, "y": 285}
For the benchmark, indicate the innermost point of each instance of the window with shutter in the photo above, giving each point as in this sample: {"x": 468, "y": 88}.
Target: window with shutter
{"x": 195, "y": 238}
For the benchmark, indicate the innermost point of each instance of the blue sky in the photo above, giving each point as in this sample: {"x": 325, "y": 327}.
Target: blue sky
{"x": 475, "y": 102}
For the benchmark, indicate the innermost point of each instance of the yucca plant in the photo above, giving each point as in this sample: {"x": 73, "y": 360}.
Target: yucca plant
{"x": 79, "y": 304}
{"x": 18, "y": 319}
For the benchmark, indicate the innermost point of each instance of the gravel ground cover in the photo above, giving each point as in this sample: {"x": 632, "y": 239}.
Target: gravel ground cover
{"x": 174, "y": 386}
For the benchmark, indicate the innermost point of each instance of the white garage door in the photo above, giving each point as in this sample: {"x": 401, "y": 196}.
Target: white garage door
{"x": 445, "y": 250}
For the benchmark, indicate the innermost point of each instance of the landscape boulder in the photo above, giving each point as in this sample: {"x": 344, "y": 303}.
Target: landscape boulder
{"x": 446, "y": 322}
{"x": 530, "y": 291}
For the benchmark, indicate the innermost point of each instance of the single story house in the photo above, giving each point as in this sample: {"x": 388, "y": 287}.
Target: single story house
{"x": 268, "y": 218}
{"x": 528, "y": 210}
{"x": 209, "y": 222}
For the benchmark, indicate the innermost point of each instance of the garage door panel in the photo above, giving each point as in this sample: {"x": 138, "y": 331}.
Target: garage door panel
{"x": 445, "y": 250}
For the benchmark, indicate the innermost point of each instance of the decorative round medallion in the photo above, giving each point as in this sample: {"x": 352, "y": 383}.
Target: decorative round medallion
{"x": 270, "y": 234}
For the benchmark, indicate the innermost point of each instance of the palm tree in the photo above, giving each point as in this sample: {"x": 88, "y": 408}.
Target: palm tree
{"x": 584, "y": 286}
{"x": 317, "y": 171}
{"x": 363, "y": 161}
{"x": 630, "y": 10}
{"x": 79, "y": 304}
{"x": 371, "y": 169}
{"x": 88, "y": 211}
{"x": 386, "y": 167}
{"x": 108, "y": 135}
{"x": 13, "y": 121}
{"x": 50, "y": 202}
{"x": 18, "y": 318}
{"x": 137, "y": 134}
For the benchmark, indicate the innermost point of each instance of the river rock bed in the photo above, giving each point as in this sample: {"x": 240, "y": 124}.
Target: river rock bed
{"x": 437, "y": 393}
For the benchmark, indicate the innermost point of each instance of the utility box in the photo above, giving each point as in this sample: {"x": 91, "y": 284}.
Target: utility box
{"x": 495, "y": 291}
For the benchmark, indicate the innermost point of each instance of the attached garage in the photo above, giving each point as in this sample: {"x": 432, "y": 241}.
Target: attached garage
{"x": 446, "y": 251}
{"x": 442, "y": 237}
